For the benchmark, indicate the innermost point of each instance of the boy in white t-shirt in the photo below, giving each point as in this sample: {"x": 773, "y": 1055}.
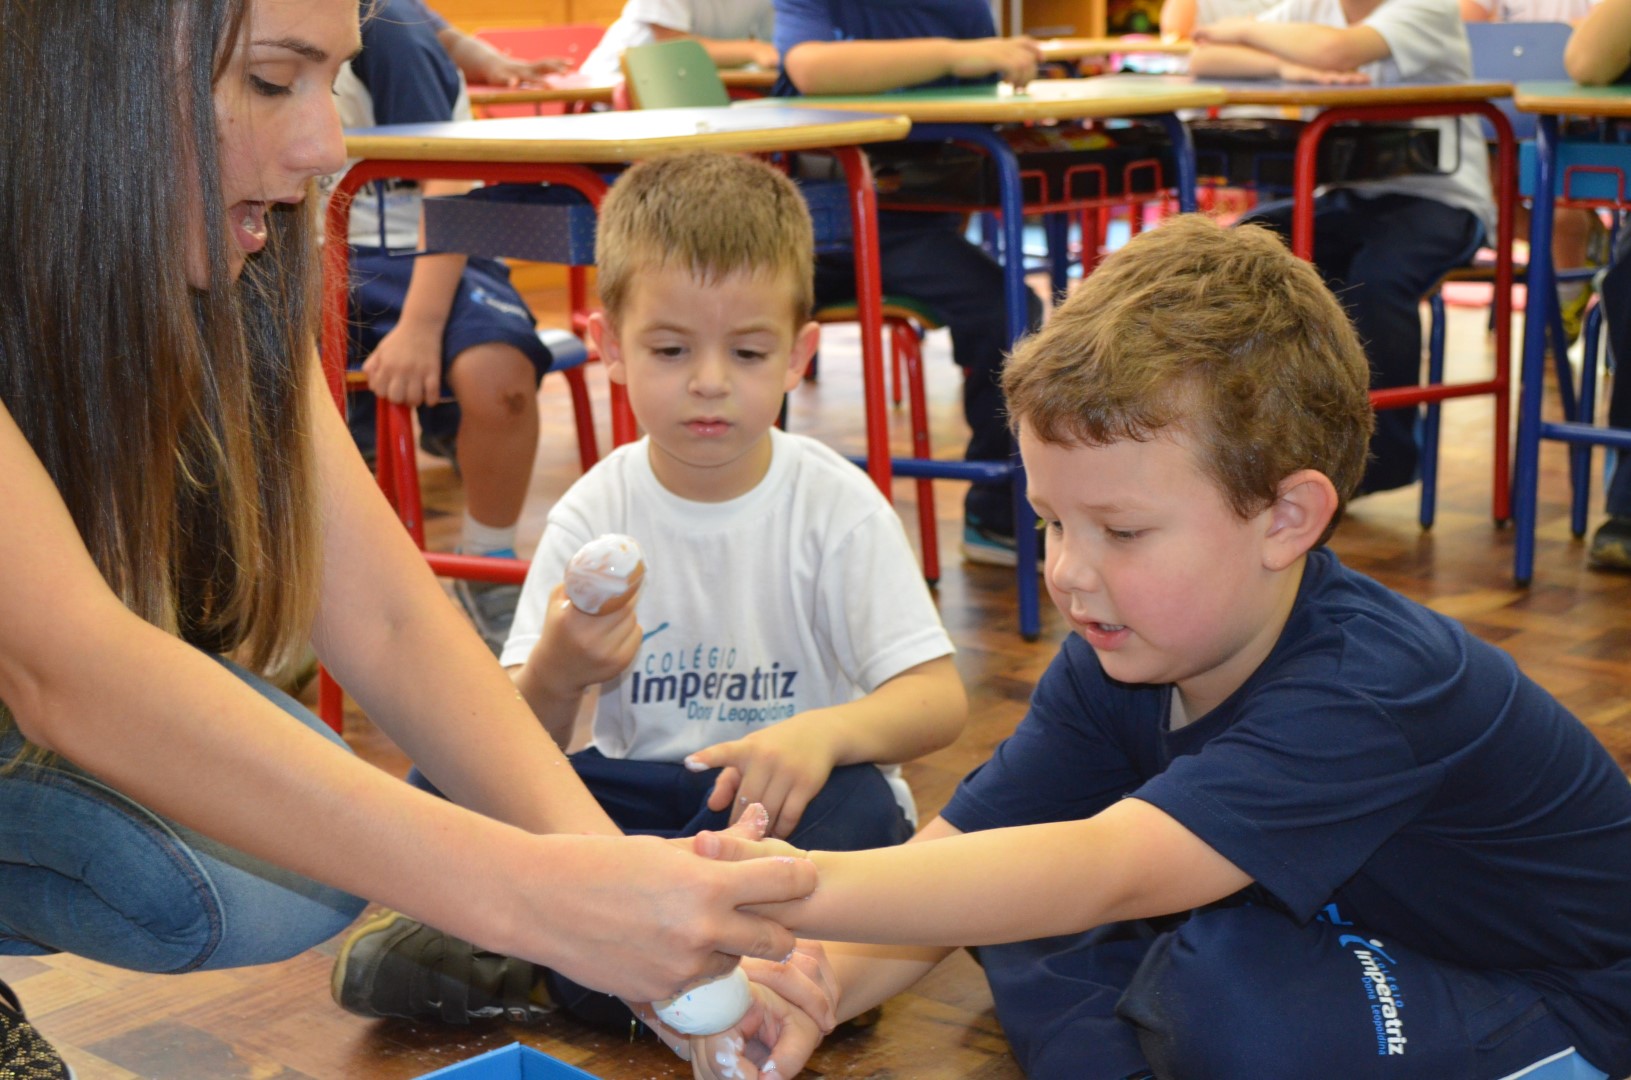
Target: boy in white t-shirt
{"x": 783, "y": 648}
{"x": 1379, "y": 244}
{"x": 735, "y": 33}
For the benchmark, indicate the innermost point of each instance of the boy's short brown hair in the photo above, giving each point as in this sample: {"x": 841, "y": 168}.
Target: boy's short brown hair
{"x": 1222, "y": 332}
{"x": 713, "y": 214}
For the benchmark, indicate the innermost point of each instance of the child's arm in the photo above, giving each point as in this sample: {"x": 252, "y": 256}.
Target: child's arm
{"x": 575, "y": 651}
{"x": 483, "y": 64}
{"x": 1599, "y": 50}
{"x": 406, "y": 365}
{"x": 784, "y": 766}
{"x": 1306, "y": 45}
{"x": 1475, "y": 11}
{"x": 870, "y": 67}
{"x": 1178, "y": 18}
{"x": 726, "y": 52}
{"x": 1131, "y": 861}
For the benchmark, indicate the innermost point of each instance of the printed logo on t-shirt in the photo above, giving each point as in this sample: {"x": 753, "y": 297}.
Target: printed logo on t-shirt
{"x": 1382, "y": 991}
{"x": 707, "y": 685}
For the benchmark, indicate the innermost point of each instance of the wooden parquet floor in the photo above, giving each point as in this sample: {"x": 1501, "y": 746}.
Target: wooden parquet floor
{"x": 1571, "y": 630}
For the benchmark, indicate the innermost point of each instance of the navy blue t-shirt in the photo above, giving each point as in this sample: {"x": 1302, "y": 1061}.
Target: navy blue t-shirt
{"x": 407, "y": 72}
{"x": 1381, "y": 758}
{"x": 798, "y": 21}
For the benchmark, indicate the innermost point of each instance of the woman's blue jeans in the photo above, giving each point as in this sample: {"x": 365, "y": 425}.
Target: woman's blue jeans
{"x": 85, "y": 870}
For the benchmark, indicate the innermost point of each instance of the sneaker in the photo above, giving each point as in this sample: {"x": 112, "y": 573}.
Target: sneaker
{"x": 24, "y": 1053}
{"x": 989, "y": 548}
{"x": 1611, "y": 545}
{"x": 491, "y": 608}
{"x": 392, "y": 966}
{"x": 1574, "y": 312}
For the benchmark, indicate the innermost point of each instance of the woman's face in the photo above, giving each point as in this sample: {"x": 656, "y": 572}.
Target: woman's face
{"x": 275, "y": 118}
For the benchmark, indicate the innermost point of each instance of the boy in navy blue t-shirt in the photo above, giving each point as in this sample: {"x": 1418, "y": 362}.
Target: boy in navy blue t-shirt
{"x": 1266, "y": 818}
{"x": 873, "y": 46}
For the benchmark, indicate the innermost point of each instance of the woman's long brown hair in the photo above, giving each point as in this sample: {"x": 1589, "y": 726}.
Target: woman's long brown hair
{"x": 173, "y": 419}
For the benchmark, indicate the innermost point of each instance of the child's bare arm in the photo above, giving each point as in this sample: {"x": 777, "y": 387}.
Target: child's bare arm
{"x": 575, "y": 651}
{"x": 1599, "y": 50}
{"x": 784, "y": 766}
{"x": 1178, "y": 18}
{"x": 1323, "y": 48}
{"x": 870, "y": 67}
{"x": 1130, "y": 861}
{"x": 726, "y": 52}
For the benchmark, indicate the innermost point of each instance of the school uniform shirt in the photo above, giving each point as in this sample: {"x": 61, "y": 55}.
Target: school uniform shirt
{"x": 1564, "y": 11}
{"x": 403, "y": 75}
{"x": 1381, "y": 758}
{"x": 801, "y": 594}
{"x": 1427, "y": 42}
{"x": 798, "y": 21}
{"x": 730, "y": 20}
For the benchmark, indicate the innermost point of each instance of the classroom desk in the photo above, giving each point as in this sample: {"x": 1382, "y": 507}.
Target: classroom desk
{"x": 968, "y": 114}
{"x": 1548, "y": 101}
{"x": 1072, "y": 49}
{"x": 574, "y": 90}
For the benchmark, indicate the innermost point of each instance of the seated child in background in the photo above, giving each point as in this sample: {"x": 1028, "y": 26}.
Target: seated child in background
{"x": 734, "y": 32}
{"x": 1285, "y": 822}
{"x": 1599, "y": 53}
{"x": 783, "y": 648}
{"x": 850, "y": 47}
{"x": 434, "y": 327}
{"x": 1380, "y": 244}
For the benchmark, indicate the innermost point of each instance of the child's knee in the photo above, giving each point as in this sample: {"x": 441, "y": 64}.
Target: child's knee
{"x": 494, "y": 384}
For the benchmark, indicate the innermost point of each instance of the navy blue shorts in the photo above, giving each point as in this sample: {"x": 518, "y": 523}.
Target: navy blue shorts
{"x": 486, "y": 309}
{"x": 1245, "y": 992}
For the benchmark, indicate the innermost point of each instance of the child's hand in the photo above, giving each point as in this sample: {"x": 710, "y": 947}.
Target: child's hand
{"x": 1231, "y": 31}
{"x": 1013, "y": 60}
{"x": 781, "y": 767}
{"x": 406, "y": 367}
{"x": 576, "y": 650}
{"x": 774, "y": 1039}
{"x": 508, "y": 71}
{"x": 765, "y": 57}
{"x": 1301, "y": 73}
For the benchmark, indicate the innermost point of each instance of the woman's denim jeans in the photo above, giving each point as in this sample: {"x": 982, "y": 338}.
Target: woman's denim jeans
{"x": 84, "y": 870}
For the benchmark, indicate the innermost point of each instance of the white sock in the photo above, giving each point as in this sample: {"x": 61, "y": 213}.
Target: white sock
{"x": 482, "y": 539}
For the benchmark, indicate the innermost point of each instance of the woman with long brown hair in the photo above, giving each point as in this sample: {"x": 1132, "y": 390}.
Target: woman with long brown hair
{"x": 184, "y": 510}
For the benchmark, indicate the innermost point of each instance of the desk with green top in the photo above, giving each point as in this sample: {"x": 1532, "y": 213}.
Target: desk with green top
{"x": 1550, "y": 101}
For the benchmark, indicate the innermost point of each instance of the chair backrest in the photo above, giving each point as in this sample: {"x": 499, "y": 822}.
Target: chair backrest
{"x": 672, "y": 75}
{"x": 1518, "y": 52}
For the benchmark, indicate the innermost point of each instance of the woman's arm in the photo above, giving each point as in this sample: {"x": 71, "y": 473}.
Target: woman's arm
{"x": 166, "y": 725}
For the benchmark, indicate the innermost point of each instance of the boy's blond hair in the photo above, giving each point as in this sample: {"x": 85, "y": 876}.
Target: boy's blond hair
{"x": 1221, "y": 332}
{"x": 710, "y": 213}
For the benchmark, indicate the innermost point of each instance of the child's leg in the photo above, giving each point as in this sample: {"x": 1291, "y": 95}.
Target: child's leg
{"x": 496, "y": 387}
{"x": 926, "y": 257}
{"x": 1056, "y": 999}
{"x": 1245, "y": 992}
{"x": 85, "y": 870}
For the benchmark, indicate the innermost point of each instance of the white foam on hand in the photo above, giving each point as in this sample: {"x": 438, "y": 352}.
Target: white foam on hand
{"x": 710, "y": 1007}
{"x": 603, "y": 572}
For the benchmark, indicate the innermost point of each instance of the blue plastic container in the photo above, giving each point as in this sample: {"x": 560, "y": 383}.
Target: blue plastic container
{"x": 513, "y": 1062}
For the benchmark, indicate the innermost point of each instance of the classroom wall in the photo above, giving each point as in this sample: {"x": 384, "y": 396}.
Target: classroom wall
{"x": 470, "y": 15}
{"x": 1073, "y": 18}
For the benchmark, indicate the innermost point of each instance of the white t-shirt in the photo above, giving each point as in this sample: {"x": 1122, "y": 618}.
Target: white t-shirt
{"x": 1564, "y": 11}
{"x": 730, "y": 20}
{"x": 1427, "y": 43}
{"x": 801, "y": 594}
